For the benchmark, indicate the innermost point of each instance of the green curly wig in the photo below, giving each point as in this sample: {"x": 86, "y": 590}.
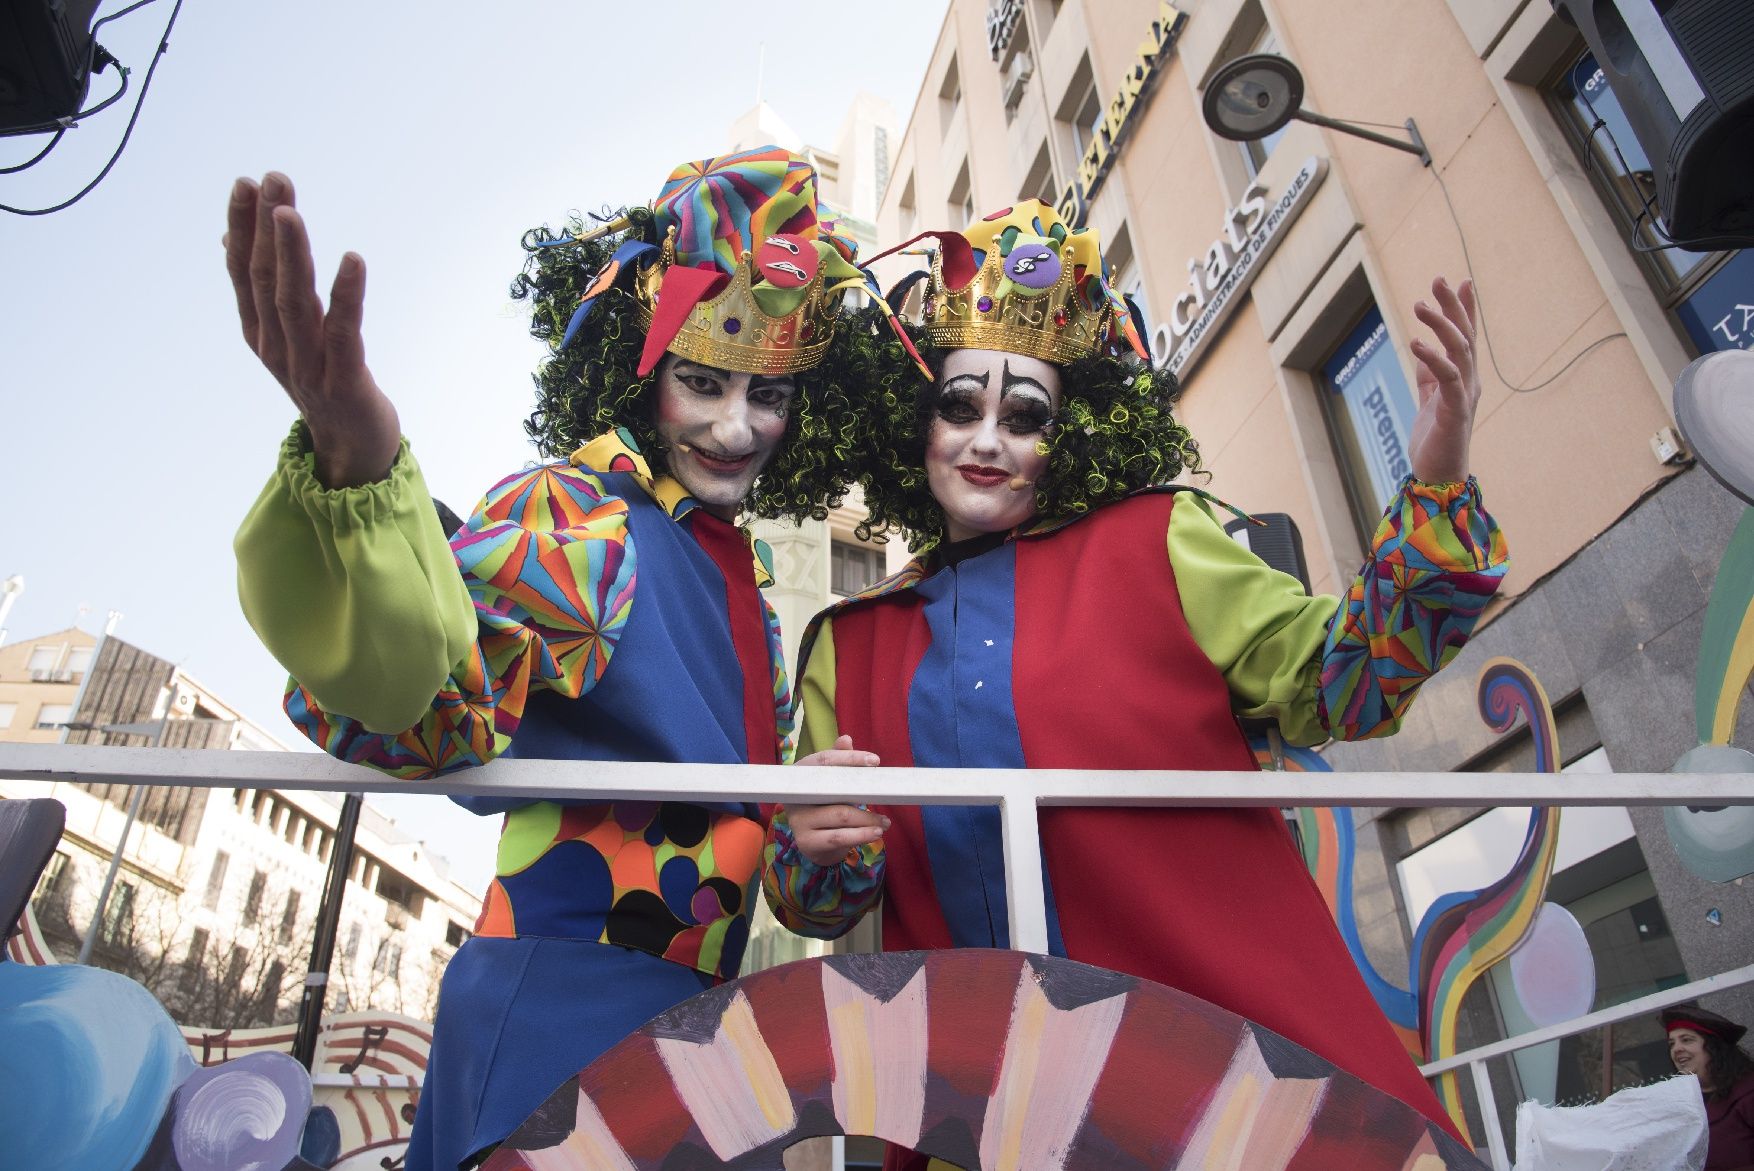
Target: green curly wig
{"x": 591, "y": 387}
{"x": 1115, "y": 433}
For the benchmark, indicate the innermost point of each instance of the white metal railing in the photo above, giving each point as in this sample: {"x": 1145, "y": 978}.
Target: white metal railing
{"x": 1017, "y": 792}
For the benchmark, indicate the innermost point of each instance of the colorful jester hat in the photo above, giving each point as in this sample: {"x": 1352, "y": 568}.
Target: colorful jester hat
{"x": 750, "y": 272}
{"x": 1021, "y": 282}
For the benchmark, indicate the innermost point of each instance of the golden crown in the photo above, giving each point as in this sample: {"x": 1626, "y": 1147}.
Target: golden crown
{"x": 733, "y": 332}
{"x": 1000, "y": 310}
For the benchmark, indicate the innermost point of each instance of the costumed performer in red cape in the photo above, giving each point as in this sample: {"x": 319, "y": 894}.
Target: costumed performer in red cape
{"x": 1069, "y": 611}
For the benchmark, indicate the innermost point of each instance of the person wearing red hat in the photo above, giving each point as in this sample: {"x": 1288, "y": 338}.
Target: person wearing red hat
{"x": 1704, "y": 1044}
{"x": 699, "y": 369}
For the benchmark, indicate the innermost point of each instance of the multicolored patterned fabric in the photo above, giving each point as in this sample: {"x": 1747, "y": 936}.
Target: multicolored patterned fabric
{"x": 823, "y": 902}
{"x": 552, "y": 574}
{"x": 680, "y": 879}
{"x": 724, "y": 207}
{"x": 1435, "y": 562}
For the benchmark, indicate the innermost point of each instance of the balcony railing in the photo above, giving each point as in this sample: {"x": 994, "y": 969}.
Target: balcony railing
{"x": 1018, "y": 793}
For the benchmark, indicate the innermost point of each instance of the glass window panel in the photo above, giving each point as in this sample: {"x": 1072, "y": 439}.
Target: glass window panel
{"x": 1373, "y": 410}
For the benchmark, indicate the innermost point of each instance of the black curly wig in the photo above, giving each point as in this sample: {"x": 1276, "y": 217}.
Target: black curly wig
{"x": 1114, "y": 434}
{"x": 591, "y": 387}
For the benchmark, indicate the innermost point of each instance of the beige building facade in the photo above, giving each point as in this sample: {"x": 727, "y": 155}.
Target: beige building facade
{"x": 1277, "y": 280}
{"x": 215, "y": 902}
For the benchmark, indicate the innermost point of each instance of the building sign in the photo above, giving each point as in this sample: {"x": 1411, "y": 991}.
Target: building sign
{"x": 1217, "y": 280}
{"x": 1376, "y": 403}
{"x": 1002, "y": 18}
{"x": 1121, "y": 112}
{"x": 1720, "y": 313}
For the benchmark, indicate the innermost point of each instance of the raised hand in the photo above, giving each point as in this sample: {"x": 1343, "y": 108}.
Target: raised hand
{"x": 825, "y": 833}
{"x": 1449, "y": 384}
{"x": 318, "y": 357}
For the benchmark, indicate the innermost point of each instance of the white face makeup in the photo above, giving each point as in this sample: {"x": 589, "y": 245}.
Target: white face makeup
{"x": 721, "y": 428}
{"x": 981, "y": 459}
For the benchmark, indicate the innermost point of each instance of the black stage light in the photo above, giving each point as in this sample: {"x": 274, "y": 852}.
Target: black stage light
{"x": 1683, "y": 71}
{"x": 45, "y": 62}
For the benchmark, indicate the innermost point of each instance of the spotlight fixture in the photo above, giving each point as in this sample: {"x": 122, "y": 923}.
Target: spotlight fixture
{"x": 1254, "y": 96}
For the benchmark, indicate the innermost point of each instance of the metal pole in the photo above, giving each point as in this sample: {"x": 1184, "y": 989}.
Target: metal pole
{"x": 1483, "y": 1097}
{"x": 103, "y": 896}
{"x": 310, "y": 1008}
{"x": 1416, "y": 147}
{"x": 1025, "y": 892}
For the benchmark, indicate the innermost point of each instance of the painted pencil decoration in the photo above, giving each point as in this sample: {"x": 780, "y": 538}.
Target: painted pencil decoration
{"x": 987, "y": 1060}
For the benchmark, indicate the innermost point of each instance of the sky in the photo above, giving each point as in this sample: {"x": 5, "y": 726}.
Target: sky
{"x": 136, "y": 428}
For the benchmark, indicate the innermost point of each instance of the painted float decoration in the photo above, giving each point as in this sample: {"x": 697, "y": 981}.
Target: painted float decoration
{"x": 1465, "y": 933}
{"x": 984, "y": 1059}
{"x": 1716, "y": 842}
{"x": 96, "y": 1076}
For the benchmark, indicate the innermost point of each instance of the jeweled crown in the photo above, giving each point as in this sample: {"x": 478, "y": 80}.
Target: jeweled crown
{"x": 993, "y": 312}
{"x": 731, "y": 330}
{"x": 1038, "y": 289}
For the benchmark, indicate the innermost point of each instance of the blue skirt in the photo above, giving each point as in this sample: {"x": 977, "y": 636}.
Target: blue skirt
{"x": 519, "y": 1017}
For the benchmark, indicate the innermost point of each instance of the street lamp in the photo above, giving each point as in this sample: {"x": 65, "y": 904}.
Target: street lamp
{"x": 1254, "y": 96}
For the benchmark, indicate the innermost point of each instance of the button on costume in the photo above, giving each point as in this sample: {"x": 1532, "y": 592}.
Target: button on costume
{"x": 588, "y": 609}
{"x": 1130, "y": 636}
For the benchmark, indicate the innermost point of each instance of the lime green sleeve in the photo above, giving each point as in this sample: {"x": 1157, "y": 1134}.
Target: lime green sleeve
{"x": 816, "y": 695}
{"x": 1259, "y": 628}
{"x": 354, "y": 590}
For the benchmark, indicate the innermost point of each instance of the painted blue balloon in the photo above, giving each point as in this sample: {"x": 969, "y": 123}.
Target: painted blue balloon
{"x": 88, "y": 1062}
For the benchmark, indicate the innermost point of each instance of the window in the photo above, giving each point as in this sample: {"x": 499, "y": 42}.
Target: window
{"x": 7, "y": 711}
{"x": 950, "y": 93}
{"x": 1085, "y": 123}
{"x": 289, "y": 917}
{"x": 253, "y": 901}
{"x": 388, "y": 961}
{"x": 962, "y": 200}
{"x": 853, "y": 567}
{"x": 350, "y": 950}
{"x": 1369, "y": 408}
{"x": 1039, "y": 182}
{"x": 43, "y": 661}
{"x": 271, "y": 984}
{"x": 192, "y": 962}
{"x": 53, "y": 715}
{"x": 118, "y": 921}
{"x": 79, "y": 662}
{"x": 216, "y": 880}
{"x": 51, "y": 887}
{"x": 456, "y": 934}
{"x": 1254, "y": 154}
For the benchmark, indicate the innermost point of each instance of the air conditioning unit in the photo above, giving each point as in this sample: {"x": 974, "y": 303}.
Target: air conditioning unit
{"x": 185, "y": 702}
{"x": 1017, "y": 76}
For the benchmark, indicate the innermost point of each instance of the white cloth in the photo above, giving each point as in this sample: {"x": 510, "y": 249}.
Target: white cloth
{"x": 1658, "y": 1127}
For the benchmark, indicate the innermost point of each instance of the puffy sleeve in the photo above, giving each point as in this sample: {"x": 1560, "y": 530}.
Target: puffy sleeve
{"x": 413, "y": 657}
{"x": 823, "y": 902}
{"x": 1342, "y": 667}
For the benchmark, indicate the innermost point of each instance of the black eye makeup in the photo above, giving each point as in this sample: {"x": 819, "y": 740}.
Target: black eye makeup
{"x": 775, "y": 396}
